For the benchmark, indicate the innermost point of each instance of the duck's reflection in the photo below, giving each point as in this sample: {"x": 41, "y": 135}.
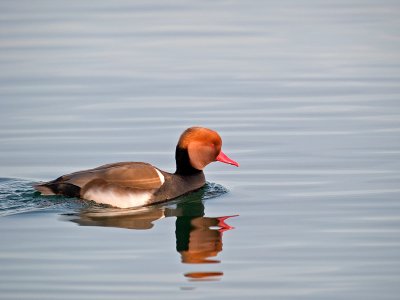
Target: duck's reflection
{"x": 198, "y": 238}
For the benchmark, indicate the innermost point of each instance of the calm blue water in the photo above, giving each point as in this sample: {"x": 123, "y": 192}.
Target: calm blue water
{"x": 305, "y": 95}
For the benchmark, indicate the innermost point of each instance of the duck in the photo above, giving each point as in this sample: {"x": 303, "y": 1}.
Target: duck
{"x": 138, "y": 184}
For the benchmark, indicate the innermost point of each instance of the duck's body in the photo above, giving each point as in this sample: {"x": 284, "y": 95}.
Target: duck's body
{"x": 132, "y": 184}
{"x": 123, "y": 184}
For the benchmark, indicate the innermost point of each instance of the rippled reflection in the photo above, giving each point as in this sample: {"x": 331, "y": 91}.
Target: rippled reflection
{"x": 198, "y": 238}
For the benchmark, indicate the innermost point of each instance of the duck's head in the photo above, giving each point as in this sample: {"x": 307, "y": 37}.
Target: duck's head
{"x": 197, "y": 147}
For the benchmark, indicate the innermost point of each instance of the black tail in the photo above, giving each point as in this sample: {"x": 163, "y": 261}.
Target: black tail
{"x": 54, "y": 188}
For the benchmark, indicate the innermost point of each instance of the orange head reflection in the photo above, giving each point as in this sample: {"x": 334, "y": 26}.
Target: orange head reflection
{"x": 198, "y": 239}
{"x": 204, "y": 276}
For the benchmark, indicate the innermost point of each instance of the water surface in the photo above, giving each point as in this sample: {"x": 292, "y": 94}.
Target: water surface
{"x": 305, "y": 95}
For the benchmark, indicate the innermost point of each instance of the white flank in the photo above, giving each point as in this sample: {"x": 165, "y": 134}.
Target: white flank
{"x": 162, "y": 179}
{"x": 126, "y": 200}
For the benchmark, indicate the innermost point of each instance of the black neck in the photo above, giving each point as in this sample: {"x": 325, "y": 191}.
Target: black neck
{"x": 183, "y": 166}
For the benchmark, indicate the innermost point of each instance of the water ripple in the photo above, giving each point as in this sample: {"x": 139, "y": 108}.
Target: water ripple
{"x": 18, "y": 196}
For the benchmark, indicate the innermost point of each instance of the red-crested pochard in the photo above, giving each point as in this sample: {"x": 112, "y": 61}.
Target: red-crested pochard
{"x": 132, "y": 184}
